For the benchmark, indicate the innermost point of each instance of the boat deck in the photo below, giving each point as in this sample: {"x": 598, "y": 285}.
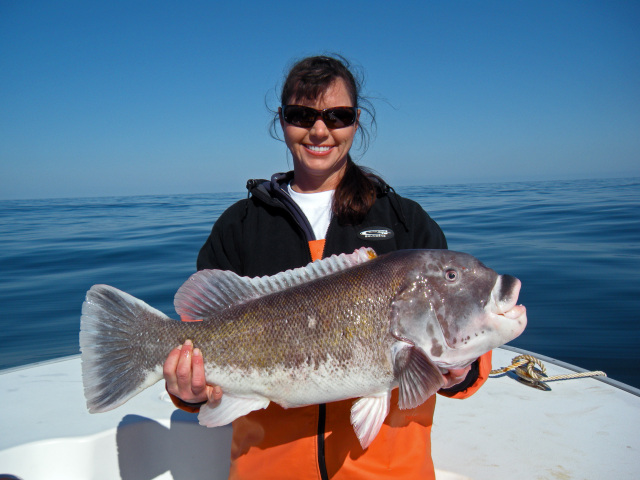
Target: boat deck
{"x": 587, "y": 428}
{"x": 581, "y": 429}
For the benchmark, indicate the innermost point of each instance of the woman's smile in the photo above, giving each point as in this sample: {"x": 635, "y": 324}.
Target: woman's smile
{"x": 319, "y": 149}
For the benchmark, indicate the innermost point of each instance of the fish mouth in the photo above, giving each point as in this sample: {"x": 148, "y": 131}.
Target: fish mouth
{"x": 505, "y": 301}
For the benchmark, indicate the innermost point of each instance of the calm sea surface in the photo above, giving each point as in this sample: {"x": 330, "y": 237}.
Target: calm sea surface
{"x": 574, "y": 244}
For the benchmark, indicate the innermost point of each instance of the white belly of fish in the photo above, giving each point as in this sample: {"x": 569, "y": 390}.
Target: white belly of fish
{"x": 306, "y": 384}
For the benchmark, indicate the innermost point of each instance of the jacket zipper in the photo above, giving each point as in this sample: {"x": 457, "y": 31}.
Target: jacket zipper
{"x": 322, "y": 408}
{"x": 322, "y": 463}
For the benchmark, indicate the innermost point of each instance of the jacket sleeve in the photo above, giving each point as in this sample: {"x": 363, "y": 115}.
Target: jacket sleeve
{"x": 424, "y": 231}
{"x": 221, "y": 250}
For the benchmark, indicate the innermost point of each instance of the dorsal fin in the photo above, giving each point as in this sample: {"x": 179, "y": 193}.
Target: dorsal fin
{"x": 210, "y": 291}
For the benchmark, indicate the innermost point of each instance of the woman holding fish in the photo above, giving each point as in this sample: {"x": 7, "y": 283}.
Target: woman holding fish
{"x": 327, "y": 205}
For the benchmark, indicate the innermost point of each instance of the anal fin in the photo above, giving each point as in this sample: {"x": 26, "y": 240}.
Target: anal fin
{"x": 367, "y": 416}
{"x": 229, "y": 408}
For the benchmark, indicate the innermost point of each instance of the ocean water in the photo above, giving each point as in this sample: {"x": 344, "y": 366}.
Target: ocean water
{"x": 574, "y": 244}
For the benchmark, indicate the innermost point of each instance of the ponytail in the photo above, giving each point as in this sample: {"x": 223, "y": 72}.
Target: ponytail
{"x": 355, "y": 194}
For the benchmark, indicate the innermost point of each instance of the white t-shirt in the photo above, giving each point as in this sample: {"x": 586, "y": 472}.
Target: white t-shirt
{"x": 317, "y": 209}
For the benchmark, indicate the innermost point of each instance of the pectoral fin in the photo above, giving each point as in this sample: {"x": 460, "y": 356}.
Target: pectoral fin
{"x": 367, "y": 416}
{"x": 229, "y": 409}
{"x": 418, "y": 377}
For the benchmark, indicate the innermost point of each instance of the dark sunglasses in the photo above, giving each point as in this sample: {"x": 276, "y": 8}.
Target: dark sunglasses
{"x": 305, "y": 117}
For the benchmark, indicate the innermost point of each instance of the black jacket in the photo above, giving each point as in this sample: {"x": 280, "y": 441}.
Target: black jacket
{"x": 267, "y": 233}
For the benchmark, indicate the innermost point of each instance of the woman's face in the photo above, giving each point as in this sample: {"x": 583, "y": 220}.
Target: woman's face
{"x": 320, "y": 154}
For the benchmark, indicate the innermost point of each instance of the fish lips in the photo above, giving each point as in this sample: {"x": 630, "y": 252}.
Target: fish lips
{"x": 504, "y": 303}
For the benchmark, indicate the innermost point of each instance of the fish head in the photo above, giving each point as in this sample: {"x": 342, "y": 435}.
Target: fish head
{"x": 454, "y": 308}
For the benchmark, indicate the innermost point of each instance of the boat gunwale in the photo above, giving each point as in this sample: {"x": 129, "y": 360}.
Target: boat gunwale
{"x": 41, "y": 363}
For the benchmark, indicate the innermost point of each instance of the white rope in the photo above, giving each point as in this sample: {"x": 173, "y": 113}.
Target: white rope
{"x": 533, "y": 371}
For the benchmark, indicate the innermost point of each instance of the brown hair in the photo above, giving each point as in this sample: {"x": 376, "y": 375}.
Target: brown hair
{"x": 308, "y": 79}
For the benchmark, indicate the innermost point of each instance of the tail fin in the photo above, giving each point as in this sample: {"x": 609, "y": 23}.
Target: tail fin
{"x": 116, "y": 361}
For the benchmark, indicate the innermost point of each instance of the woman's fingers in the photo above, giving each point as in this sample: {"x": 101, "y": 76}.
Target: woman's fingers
{"x": 198, "y": 382}
{"x": 455, "y": 375}
{"x": 169, "y": 370}
{"x": 214, "y": 394}
{"x": 183, "y": 370}
{"x": 184, "y": 374}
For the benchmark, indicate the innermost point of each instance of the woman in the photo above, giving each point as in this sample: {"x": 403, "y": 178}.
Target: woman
{"x": 327, "y": 205}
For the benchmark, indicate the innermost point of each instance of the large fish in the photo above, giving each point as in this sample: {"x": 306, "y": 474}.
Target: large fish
{"x": 350, "y": 326}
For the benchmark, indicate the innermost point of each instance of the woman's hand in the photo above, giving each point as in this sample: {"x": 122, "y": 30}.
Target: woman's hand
{"x": 454, "y": 376}
{"x": 184, "y": 374}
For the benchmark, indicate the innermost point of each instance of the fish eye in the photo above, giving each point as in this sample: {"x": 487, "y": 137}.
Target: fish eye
{"x": 451, "y": 275}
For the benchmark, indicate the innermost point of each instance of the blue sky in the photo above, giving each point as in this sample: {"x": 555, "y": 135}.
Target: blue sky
{"x": 156, "y": 97}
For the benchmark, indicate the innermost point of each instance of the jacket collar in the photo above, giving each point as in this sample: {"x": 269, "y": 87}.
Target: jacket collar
{"x": 279, "y": 182}
{"x": 274, "y": 192}
{"x": 268, "y": 190}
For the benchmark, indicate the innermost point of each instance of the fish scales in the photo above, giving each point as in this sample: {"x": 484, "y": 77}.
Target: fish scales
{"x": 329, "y": 311}
{"x": 338, "y": 324}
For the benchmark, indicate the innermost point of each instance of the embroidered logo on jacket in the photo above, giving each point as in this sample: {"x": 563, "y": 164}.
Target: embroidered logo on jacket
{"x": 376, "y": 233}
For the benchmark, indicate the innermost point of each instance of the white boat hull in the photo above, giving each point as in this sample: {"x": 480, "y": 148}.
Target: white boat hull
{"x": 583, "y": 428}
